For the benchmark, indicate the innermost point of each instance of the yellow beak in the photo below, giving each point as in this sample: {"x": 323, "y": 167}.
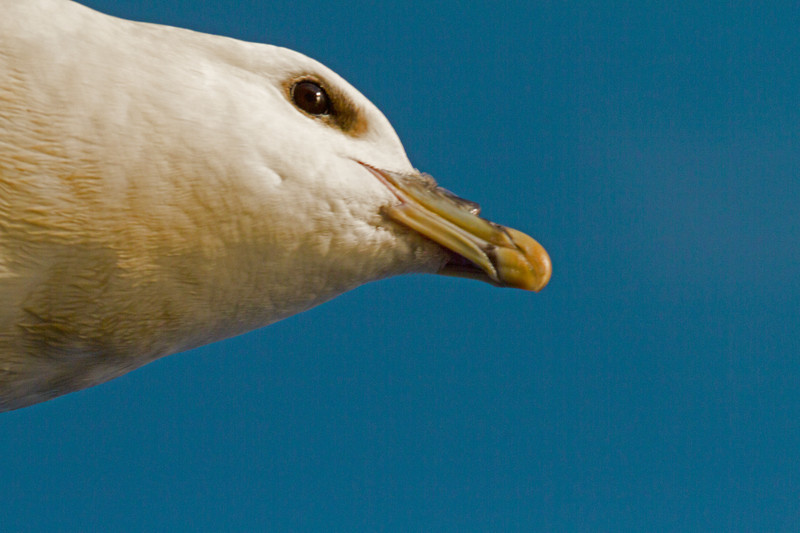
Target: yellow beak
{"x": 493, "y": 253}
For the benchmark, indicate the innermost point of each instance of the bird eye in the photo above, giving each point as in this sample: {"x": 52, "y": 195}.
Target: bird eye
{"x": 311, "y": 98}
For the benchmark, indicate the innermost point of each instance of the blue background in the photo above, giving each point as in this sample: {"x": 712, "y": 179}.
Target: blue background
{"x": 653, "y": 148}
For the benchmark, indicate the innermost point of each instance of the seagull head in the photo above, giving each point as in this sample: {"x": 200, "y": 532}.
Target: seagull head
{"x": 336, "y": 157}
{"x": 164, "y": 189}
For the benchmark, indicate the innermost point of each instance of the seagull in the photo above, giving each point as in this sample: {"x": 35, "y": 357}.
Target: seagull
{"x": 162, "y": 189}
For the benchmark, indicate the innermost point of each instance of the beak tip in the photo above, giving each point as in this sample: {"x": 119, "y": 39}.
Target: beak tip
{"x": 537, "y": 264}
{"x": 543, "y": 269}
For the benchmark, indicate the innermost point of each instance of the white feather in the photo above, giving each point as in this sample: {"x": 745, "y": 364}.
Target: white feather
{"x": 158, "y": 191}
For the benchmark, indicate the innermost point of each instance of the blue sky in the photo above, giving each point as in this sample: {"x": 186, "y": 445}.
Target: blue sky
{"x": 653, "y": 148}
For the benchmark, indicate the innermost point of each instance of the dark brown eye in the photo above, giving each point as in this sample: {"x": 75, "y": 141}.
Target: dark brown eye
{"x": 311, "y": 98}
